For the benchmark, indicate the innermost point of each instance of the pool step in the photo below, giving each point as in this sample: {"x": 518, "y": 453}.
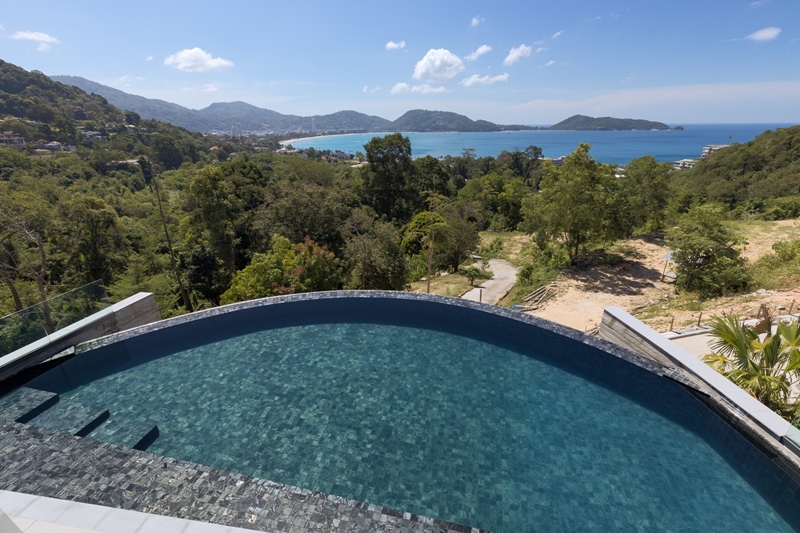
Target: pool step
{"x": 71, "y": 417}
{"x": 128, "y": 432}
{"x": 25, "y": 403}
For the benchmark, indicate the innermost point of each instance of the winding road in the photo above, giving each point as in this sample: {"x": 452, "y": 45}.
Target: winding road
{"x": 492, "y": 290}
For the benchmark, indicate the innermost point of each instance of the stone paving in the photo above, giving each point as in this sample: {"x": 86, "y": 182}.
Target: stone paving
{"x": 47, "y": 463}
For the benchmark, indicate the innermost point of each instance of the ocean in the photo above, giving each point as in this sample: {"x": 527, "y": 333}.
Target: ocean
{"x": 616, "y": 147}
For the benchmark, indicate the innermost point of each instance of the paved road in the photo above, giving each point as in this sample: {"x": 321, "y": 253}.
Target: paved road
{"x": 490, "y": 292}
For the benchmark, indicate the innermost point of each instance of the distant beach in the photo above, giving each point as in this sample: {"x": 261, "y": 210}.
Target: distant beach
{"x": 305, "y": 140}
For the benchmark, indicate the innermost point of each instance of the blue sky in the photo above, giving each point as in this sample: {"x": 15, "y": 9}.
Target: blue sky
{"x": 528, "y": 62}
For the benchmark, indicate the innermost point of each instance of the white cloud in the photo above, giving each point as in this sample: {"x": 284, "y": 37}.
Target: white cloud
{"x": 44, "y": 40}
{"x": 196, "y": 60}
{"x": 391, "y": 45}
{"x": 368, "y": 89}
{"x": 549, "y": 63}
{"x": 438, "y": 65}
{"x": 425, "y": 89}
{"x": 483, "y": 80}
{"x": 517, "y": 53}
{"x": 482, "y": 49}
{"x": 128, "y": 78}
{"x": 557, "y": 34}
{"x": 765, "y": 34}
{"x": 401, "y": 87}
{"x": 758, "y": 3}
{"x": 149, "y": 58}
{"x": 210, "y": 88}
{"x": 476, "y": 20}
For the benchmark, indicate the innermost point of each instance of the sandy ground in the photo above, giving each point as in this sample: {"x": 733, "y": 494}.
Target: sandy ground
{"x": 582, "y": 295}
{"x": 492, "y": 290}
{"x": 636, "y": 286}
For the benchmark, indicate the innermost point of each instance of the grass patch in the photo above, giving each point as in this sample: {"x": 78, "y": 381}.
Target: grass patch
{"x": 512, "y": 246}
{"x": 779, "y": 269}
{"x": 446, "y": 285}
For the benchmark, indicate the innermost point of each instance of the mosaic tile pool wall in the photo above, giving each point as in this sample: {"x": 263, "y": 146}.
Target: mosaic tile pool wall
{"x": 440, "y": 410}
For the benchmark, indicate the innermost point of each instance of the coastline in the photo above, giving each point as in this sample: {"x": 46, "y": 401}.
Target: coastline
{"x": 303, "y": 139}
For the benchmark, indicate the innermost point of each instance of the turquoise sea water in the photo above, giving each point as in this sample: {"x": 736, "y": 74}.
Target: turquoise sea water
{"x": 448, "y": 426}
{"x": 617, "y": 147}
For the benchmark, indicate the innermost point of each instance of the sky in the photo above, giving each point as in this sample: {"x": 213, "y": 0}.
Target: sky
{"x": 522, "y": 62}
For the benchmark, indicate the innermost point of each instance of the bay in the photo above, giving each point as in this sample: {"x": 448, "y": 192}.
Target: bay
{"x": 616, "y": 147}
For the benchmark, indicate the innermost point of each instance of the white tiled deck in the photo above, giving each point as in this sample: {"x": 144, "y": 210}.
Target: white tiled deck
{"x": 37, "y": 514}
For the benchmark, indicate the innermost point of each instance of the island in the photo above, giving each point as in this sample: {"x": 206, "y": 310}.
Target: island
{"x": 586, "y": 123}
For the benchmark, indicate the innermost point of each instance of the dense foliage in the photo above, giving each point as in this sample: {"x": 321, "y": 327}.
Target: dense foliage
{"x": 201, "y": 220}
{"x": 759, "y": 178}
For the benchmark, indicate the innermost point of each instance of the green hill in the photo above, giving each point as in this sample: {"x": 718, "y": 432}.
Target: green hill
{"x": 421, "y": 120}
{"x": 51, "y": 109}
{"x": 145, "y": 107}
{"x": 584, "y": 123}
{"x": 751, "y": 176}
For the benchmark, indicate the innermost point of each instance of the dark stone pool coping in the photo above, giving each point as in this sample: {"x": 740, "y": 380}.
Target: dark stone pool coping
{"x": 57, "y": 465}
{"x": 47, "y": 463}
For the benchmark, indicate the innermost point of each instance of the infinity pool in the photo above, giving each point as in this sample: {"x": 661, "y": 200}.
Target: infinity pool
{"x": 436, "y": 409}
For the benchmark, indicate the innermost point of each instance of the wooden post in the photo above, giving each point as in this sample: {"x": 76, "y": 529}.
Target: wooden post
{"x": 480, "y": 295}
{"x": 671, "y": 323}
{"x": 699, "y": 318}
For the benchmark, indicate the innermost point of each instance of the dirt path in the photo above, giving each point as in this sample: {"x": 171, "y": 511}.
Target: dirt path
{"x": 492, "y": 290}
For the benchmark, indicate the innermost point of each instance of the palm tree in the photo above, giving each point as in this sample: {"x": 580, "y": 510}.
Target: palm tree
{"x": 765, "y": 367}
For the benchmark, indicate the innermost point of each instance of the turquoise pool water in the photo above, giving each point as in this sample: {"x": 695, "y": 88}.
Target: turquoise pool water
{"x": 443, "y": 420}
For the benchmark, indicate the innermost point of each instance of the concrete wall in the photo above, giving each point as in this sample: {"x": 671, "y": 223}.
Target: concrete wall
{"x": 138, "y": 310}
{"x": 621, "y": 328}
{"x": 616, "y": 328}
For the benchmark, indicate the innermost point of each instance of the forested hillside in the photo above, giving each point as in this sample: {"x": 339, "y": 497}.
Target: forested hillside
{"x": 584, "y": 123}
{"x": 204, "y": 220}
{"x": 761, "y": 177}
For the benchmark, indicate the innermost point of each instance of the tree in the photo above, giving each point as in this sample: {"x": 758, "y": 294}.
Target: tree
{"x": 766, "y": 368}
{"x": 373, "y": 254}
{"x": 647, "y": 185}
{"x": 217, "y": 207}
{"x": 93, "y": 239}
{"x": 426, "y": 231}
{"x": 25, "y": 222}
{"x": 298, "y": 209}
{"x": 165, "y": 151}
{"x": 286, "y": 269}
{"x": 574, "y": 204}
{"x": 430, "y": 176}
{"x": 387, "y": 178}
{"x": 706, "y": 254}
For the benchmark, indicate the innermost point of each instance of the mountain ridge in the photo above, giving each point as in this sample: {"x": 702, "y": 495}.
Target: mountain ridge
{"x": 224, "y": 116}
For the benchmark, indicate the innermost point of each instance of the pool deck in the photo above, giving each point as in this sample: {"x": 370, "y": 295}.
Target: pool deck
{"x": 57, "y": 465}
{"x": 38, "y": 514}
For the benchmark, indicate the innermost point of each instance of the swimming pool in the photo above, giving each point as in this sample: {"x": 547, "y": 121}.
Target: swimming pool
{"x": 436, "y": 407}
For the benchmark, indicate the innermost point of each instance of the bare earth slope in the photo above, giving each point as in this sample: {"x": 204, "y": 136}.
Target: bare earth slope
{"x": 636, "y": 286}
